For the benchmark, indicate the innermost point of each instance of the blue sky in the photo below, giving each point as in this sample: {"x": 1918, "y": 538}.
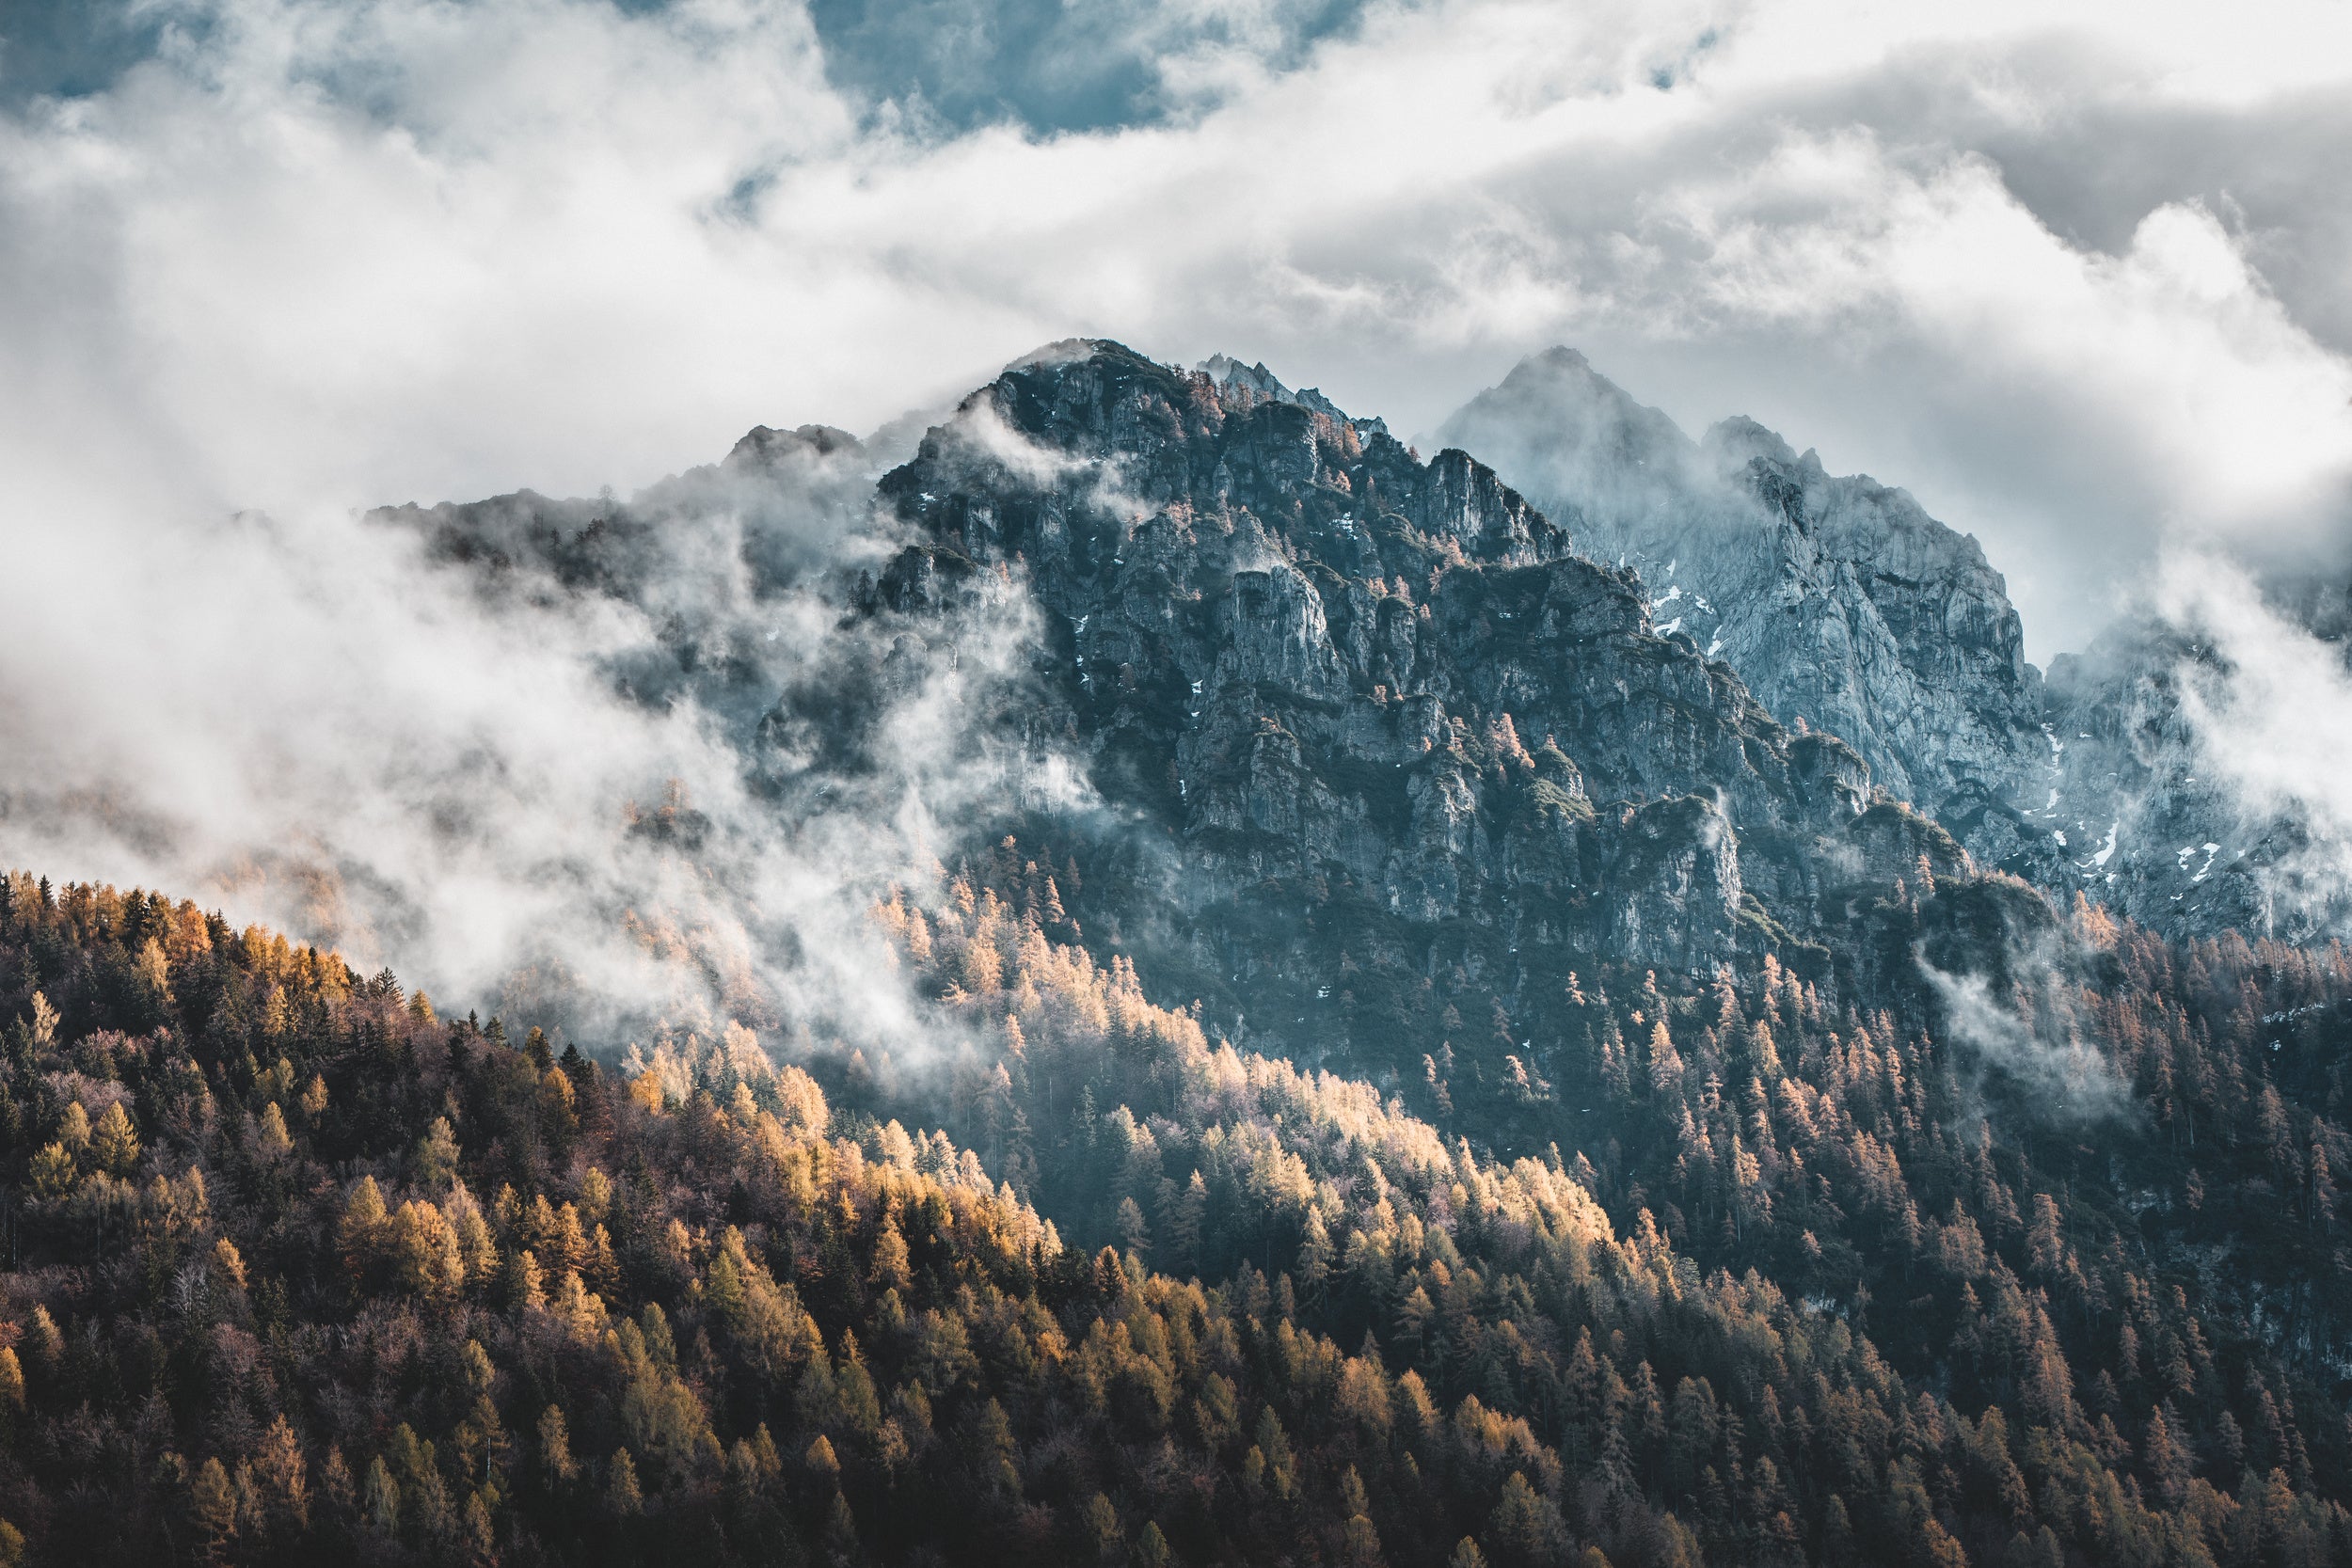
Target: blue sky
{"x": 1043, "y": 64}
{"x": 47, "y": 46}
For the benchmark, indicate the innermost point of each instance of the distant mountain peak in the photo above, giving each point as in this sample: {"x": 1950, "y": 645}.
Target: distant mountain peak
{"x": 763, "y": 446}
{"x": 1226, "y": 370}
{"x": 1064, "y": 350}
{"x": 1732, "y": 442}
{"x": 1840, "y": 602}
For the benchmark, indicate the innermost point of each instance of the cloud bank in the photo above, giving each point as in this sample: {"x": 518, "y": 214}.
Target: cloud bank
{"x": 2268, "y": 701}
{"x": 307, "y": 257}
{"x": 411, "y": 249}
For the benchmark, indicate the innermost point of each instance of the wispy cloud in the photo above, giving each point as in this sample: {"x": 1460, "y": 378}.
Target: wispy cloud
{"x": 518, "y": 794}
{"x": 2269, "y": 704}
{"x": 314, "y": 257}
{"x": 2009, "y": 1045}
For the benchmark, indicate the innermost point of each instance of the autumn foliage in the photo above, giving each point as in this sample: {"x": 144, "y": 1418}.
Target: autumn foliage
{"x": 300, "y": 1271}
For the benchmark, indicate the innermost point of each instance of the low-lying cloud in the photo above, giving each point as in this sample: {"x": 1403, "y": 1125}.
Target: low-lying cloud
{"x": 2270, "y": 702}
{"x": 2006, "y": 1044}
{"x": 596, "y": 805}
{"x": 309, "y": 257}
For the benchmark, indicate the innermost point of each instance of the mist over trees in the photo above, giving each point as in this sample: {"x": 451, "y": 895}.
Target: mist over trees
{"x": 299, "y": 1268}
{"x": 1075, "y": 955}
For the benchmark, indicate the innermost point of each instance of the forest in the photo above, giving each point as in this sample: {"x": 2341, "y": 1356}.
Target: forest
{"x": 299, "y": 1269}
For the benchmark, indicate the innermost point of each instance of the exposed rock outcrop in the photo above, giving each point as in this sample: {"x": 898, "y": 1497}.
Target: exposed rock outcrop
{"x": 1368, "y": 706}
{"x": 1338, "y": 655}
{"x": 1840, "y": 602}
{"x": 1368, "y": 741}
{"x": 2144, "y": 813}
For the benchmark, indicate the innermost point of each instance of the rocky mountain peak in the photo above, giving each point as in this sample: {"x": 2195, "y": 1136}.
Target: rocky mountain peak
{"x": 1226, "y": 462}
{"x": 1840, "y": 601}
{"x": 1227, "y": 372}
{"x": 1566, "y": 434}
{"x": 763, "y": 448}
{"x": 1730, "y": 445}
{"x": 1367, "y": 712}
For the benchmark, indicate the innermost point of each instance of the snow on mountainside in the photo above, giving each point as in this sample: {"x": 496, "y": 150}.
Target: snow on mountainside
{"x": 1840, "y": 602}
{"x": 2126, "y": 776}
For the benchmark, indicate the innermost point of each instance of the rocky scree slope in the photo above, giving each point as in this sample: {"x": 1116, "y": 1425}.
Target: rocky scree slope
{"x": 1839, "y": 601}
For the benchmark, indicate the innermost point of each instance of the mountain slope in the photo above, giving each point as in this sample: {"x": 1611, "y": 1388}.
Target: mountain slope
{"x": 413, "y": 1293}
{"x": 1842, "y": 602}
{"x": 1601, "y": 1124}
{"x": 1363, "y": 714}
{"x": 1839, "y": 601}
{"x": 2170, "y": 810}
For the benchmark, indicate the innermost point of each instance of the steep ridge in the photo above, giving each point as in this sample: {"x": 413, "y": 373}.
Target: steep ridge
{"x": 1385, "y": 753}
{"x": 1839, "y": 600}
{"x": 2145, "y": 801}
{"x": 1843, "y": 604}
{"x": 1379, "y": 716}
{"x": 1716, "y": 1164}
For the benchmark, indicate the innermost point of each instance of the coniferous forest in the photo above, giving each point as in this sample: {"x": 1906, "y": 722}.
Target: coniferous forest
{"x": 300, "y": 1270}
{"x": 1175, "y": 783}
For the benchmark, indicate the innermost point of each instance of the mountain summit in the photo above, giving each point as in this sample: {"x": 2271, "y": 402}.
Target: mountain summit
{"x": 1845, "y": 606}
{"x": 1840, "y": 602}
{"x": 1316, "y": 1023}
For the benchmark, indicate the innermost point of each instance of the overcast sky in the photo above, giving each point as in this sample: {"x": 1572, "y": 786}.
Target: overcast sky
{"x": 2077, "y": 280}
{"x": 2073, "y": 274}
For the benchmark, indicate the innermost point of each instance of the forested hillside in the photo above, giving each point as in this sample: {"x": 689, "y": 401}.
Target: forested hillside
{"x": 300, "y": 1270}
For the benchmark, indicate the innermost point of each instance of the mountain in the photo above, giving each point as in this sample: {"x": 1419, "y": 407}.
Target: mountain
{"x": 1370, "y": 715}
{"x": 1843, "y": 604}
{"x": 2151, "y": 788}
{"x": 1839, "y": 601}
{"x": 1401, "y": 1059}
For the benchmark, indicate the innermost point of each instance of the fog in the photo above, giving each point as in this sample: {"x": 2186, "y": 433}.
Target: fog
{"x": 284, "y": 261}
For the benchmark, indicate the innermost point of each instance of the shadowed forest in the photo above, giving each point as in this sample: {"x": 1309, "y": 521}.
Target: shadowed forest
{"x": 300, "y": 1270}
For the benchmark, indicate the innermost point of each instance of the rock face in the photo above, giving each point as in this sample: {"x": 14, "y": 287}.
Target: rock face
{"x": 1839, "y": 601}
{"x": 1366, "y": 713}
{"x": 1846, "y": 607}
{"x": 2141, "y": 814}
{"x": 1377, "y": 758}
{"x": 1300, "y": 646}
